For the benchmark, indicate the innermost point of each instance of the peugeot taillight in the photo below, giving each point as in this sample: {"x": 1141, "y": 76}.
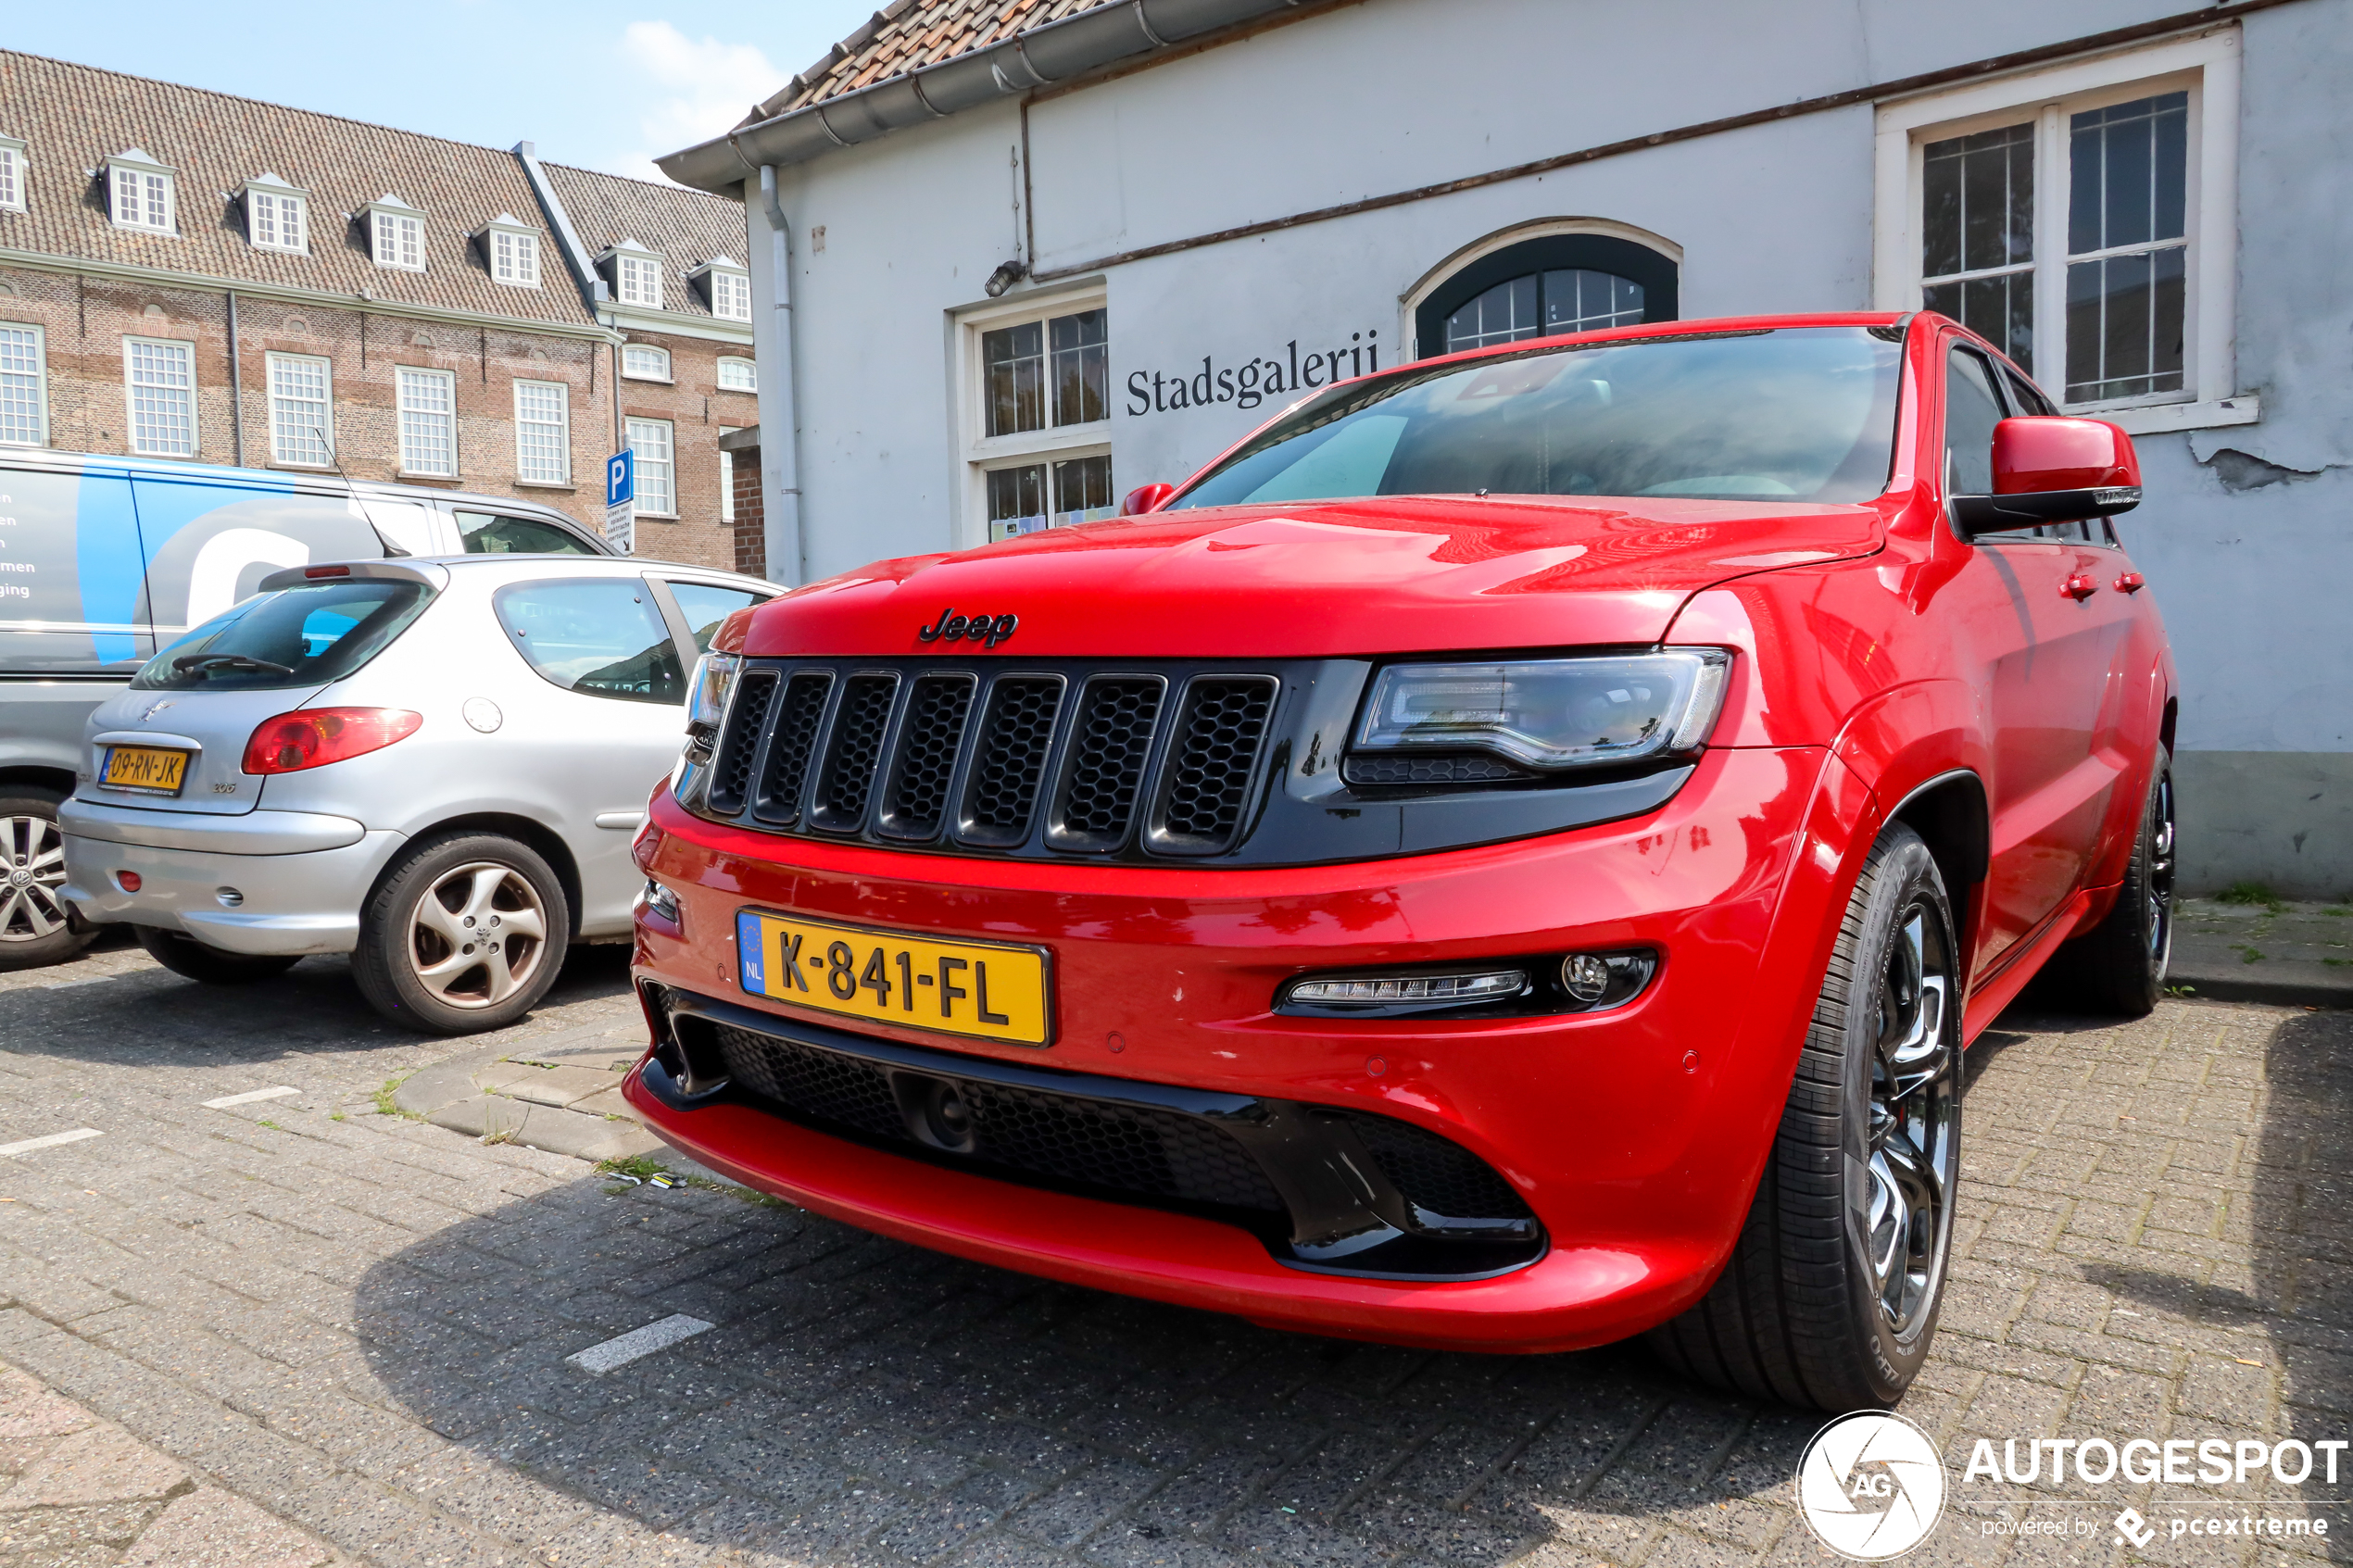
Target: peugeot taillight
{"x": 312, "y": 737}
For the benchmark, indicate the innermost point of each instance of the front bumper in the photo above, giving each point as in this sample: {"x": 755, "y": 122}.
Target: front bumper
{"x": 1635, "y": 1136}
{"x": 275, "y": 904}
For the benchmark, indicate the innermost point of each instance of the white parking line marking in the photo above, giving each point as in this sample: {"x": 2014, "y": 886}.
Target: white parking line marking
{"x": 52, "y": 1141}
{"x": 602, "y": 1359}
{"x": 225, "y": 1101}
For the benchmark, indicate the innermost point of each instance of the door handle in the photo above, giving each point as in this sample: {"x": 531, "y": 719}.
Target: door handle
{"x": 2080, "y": 588}
{"x": 2130, "y": 583}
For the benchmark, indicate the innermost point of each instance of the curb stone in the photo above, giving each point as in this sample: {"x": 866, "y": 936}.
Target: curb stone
{"x": 564, "y": 1101}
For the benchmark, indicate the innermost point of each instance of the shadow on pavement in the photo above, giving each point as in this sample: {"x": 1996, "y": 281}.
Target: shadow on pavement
{"x": 856, "y": 1390}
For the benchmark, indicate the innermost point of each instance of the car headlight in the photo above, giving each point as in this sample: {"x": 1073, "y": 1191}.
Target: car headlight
{"x": 707, "y": 696}
{"x": 1553, "y": 712}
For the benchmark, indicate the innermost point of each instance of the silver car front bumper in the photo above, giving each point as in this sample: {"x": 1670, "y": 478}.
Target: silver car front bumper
{"x": 279, "y": 883}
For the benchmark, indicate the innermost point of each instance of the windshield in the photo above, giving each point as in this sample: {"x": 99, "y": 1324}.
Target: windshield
{"x": 1784, "y": 414}
{"x": 303, "y": 636}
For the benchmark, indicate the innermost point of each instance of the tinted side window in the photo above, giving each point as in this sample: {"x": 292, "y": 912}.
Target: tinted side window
{"x": 2023, "y": 396}
{"x": 69, "y": 574}
{"x": 487, "y": 533}
{"x": 1971, "y": 410}
{"x": 705, "y": 606}
{"x": 598, "y": 638}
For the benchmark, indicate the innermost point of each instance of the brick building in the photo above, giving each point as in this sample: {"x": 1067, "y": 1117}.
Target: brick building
{"x": 185, "y": 273}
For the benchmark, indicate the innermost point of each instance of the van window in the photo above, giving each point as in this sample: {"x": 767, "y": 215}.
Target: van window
{"x": 601, "y": 638}
{"x": 69, "y": 574}
{"x": 302, "y": 636}
{"x": 706, "y": 604}
{"x": 487, "y": 533}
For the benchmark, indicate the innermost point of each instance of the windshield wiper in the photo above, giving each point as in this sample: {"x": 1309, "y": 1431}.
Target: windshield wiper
{"x": 189, "y": 664}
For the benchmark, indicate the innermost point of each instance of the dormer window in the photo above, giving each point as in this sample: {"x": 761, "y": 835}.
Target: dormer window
{"x": 11, "y": 174}
{"x": 140, "y": 194}
{"x": 397, "y": 234}
{"x": 277, "y": 215}
{"x": 512, "y": 249}
{"x": 728, "y": 287}
{"x": 636, "y": 274}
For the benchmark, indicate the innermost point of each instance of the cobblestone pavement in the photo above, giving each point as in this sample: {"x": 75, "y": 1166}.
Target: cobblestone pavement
{"x": 358, "y": 1324}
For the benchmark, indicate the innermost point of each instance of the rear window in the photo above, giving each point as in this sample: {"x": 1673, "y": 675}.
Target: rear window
{"x": 303, "y": 636}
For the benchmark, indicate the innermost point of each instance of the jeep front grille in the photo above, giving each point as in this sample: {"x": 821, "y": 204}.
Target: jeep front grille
{"x": 1129, "y": 762}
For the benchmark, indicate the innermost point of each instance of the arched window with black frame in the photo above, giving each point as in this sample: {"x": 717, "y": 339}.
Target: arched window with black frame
{"x": 1544, "y": 287}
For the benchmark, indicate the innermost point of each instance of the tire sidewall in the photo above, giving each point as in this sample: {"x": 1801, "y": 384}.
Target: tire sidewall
{"x": 381, "y": 963}
{"x": 1889, "y": 1363}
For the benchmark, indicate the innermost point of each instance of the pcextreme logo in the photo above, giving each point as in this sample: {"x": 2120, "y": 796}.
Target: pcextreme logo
{"x": 1871, "y": 1486}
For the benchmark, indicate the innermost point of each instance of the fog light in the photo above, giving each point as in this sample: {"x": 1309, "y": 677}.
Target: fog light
{"x": 229, "y": 898}
{"x": 1585, "y": 976}
{"x": 1406, "y": 992}
{"x": 127, "y": 881}
{"x": 1596, "y": 982}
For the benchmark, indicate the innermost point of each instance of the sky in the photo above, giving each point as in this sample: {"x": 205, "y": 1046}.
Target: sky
{"x": 602, "y": 83}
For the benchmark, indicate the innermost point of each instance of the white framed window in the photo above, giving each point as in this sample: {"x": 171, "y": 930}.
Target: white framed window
{"x": 728, "y": 285}
{"x": 160, "y": 380}
{"x": 643, "y": 361}
{"x": 727, "y": 476}
{"x": 12, "y": 174}
{"x": 428, "y": 423}
{"x": 2081, "y": 218}
{"x": 277, "y": 216}
{"x": 24, "y": 385}
{"x": 397, "y": 234}
{"x": 511, "y": 248}
{"x": 514, "y": 258}
{"x": 140, "y": 193}
{"x": 636, "y": 274}
{"x": 657, "y": 466}
{"x": 302, "y": 428}
{"x": 543, "y": 432}
{"x": 738, "y": 375}
{"x": 1036, "y": 413}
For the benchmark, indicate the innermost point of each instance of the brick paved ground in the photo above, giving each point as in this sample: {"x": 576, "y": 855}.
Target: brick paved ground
{"x": 359, "y": 1323}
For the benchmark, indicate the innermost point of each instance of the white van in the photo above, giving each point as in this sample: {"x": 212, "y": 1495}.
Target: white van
{"x": 104, "y": 560}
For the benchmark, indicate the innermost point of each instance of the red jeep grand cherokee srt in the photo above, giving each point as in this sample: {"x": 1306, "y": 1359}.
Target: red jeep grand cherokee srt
{"x": 1506, "y": 858}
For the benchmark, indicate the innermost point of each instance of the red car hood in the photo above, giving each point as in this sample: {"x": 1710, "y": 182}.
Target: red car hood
{"x": 1326, "y": 579}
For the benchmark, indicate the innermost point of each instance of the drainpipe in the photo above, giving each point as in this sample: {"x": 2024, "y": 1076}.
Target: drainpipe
{"x": 237, "y": 384}
{"x": 780, "y": 428}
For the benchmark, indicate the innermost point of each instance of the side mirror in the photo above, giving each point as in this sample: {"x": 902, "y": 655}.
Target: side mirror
{"x": 1145, "y": 498}
{"x": 2048, "y": 468}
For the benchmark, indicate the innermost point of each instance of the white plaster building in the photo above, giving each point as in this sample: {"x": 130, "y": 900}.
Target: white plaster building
{"x": 1042, "y": 251}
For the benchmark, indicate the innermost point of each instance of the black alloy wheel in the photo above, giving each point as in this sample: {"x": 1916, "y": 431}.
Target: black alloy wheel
{"x": 1831, "y": 1294}
{"x": 2118, "y": 968}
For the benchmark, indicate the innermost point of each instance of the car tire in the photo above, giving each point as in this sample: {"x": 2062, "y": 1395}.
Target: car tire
{"x": 1831, "y": 1295}
{"x": 193, "y": 960}
{"x": 37, "y": 927}
{"x": 2118, "y": 968}
{"x": 427, "y": 918}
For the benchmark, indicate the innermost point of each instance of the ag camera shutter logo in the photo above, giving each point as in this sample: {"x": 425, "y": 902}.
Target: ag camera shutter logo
{"x": 1871, "y": 1486}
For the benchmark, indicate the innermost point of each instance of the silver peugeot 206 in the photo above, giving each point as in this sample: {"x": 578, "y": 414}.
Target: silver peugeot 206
{"x": 435, "y": 765}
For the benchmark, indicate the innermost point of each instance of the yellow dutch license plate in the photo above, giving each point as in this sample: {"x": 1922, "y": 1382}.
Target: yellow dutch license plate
{"x": 983, "y": 990}
{"x": 145, "y": 768}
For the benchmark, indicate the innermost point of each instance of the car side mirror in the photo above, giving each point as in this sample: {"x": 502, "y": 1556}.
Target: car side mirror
{"x": 1145, "y": 498}
{"x": 2048, "y": 468}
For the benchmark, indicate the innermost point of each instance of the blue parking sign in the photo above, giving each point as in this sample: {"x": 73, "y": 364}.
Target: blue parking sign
{"x": 620, "y": 478}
